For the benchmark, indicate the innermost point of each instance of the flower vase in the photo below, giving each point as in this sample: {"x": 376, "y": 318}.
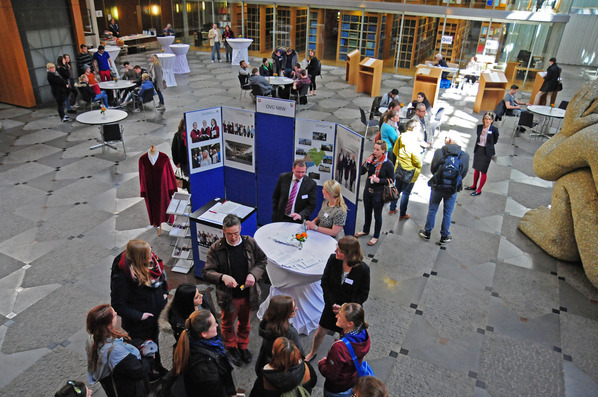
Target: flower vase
{"x": 300, "y": 245}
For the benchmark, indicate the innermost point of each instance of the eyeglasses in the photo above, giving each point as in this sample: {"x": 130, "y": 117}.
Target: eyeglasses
{"x": 74, "y": 385}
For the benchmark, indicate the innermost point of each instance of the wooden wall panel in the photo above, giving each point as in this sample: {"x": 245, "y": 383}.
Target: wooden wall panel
{"x": 16, "y": 90}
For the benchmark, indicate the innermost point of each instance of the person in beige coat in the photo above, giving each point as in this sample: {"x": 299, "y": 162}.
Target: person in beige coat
{"x": 215, "y": 37}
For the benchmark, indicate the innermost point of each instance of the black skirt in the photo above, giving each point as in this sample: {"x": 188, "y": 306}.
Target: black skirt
{"x": 481, "y": 161}
{"x": 328, "y": 319}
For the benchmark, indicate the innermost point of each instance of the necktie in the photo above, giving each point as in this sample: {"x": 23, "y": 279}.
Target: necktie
{"x": 292, "y": 196}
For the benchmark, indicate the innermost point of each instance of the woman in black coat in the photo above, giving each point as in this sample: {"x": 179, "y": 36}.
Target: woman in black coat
{"x": 180, "y": 155}
{"x": 59, "y": 88}
{"x": 483, "y": 152}
{"x": 339, "y": 289}
{"x": 551, "y": 82}
{"x": 313, "y": 70}
{"x": 139, "y": 292}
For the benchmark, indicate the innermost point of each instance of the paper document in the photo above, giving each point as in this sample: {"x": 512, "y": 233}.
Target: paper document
{"x": 370, "y": 62}
{"x": 425, "y": 71}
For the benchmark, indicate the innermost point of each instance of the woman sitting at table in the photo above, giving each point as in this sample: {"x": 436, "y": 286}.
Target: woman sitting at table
{"x": 421, "y": 98}
{"x": 91, "y": 78}
{"x": 146, "y": 85}
{"x": 346, "y": 278}
{"x": 88, "y": 93}
{"x": 333, "y": 214}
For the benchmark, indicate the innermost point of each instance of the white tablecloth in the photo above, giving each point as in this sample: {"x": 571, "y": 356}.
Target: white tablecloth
{"x": 180, "y": 63}
{"x": 240, "y": 52}
{"x": 113, "y": 51}
{"x": 301, "y": 284}
{"x": 116, "y": 85}
{"x": 95, "y": 117}
{"x": 279, "y": 80}
{"x": 167, "y": 61}
{"x": 165, "y": 43}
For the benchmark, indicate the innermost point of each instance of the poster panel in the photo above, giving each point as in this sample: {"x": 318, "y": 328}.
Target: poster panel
{"x": 204, "y": 139}
{"x": 238, "y": 127}
{"x": 314, "y": 142}
{"x": 206, "y": 236}
{"x": 347, "y": 161}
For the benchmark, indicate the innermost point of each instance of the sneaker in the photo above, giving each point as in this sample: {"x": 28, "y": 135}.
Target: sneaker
{"x": 75, "y": 106}
{"x": 212, "y": 61}
{"x": 66, "y": 119}
{"x": 137, "y": 110}
{"x": 245, "y": 355}
{"x": 446, "y": 239}
{"x": 234, "y": 356}
{"x": 404, "y": 217}
{"x": 425, "y": 235}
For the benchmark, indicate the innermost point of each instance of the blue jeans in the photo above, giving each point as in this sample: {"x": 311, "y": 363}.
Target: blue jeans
{"x": 103, "y": 97}
{"x": 373, "y": 201}
{"x": 436, "y": 196}
{"x": 216, "y": 50}
{"x": 160, "y": 96}
{"x": 347, "y": 393}
{"x": 404, "y": 200}
{"x": 229, "y": 52}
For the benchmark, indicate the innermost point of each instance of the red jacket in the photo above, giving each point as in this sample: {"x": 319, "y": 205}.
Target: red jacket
{"x": 338, "y": 367}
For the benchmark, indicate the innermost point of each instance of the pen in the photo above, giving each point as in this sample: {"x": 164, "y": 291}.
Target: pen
{"x": 213, "y": 212}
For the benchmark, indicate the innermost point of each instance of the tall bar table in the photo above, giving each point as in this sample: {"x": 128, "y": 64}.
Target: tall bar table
{"x": 180, "y": 63}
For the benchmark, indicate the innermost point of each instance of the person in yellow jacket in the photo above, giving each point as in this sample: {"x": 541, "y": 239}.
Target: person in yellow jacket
{"x": 407, "y": 167}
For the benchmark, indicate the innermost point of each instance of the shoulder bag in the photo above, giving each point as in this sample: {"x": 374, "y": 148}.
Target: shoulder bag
{"x": 390, "y": 192}
{"x": 362, "y": 370}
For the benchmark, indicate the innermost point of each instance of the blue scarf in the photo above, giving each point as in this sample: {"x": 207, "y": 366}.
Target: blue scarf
{"x": 356, "y": 336}
{"x": 214, "y": 343}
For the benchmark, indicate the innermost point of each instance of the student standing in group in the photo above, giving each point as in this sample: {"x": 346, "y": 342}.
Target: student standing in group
{"x": 228, "y": 34}
{"x": 59, "y": 88}
{"x": 314, "y": 69}
{"x": 215, "y": 39}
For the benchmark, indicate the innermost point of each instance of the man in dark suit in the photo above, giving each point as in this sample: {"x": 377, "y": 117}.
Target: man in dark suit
{"x": 300, "y": 189}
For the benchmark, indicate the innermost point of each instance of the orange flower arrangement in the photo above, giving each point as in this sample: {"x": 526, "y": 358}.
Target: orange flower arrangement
{"x": 102, "y": 109}
{"x": 301, "y": 236}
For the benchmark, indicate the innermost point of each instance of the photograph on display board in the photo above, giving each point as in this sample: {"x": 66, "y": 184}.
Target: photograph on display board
{"x": 314, "y": 142}
{"x": 238, "y": 128}
{"x": 204, "y": 139}
{"x": 347, "y": 161}
{"x": 206, "y": 236}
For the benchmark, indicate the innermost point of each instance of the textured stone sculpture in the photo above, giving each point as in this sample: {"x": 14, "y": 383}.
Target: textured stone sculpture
{"x": 569, "y": 229}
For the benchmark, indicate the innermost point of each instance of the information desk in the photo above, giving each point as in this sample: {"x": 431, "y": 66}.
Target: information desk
{"x": 296, "y": 273}
{"x": 180, "y": 63}
{"x": 548, "y": 113}
{"x": 240, "y": 52}
{"x": 167, "y": 62}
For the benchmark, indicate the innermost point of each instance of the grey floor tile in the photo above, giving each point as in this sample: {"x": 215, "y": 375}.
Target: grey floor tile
{"x": 581, "y": 347}
{"x": 577, "y": 382}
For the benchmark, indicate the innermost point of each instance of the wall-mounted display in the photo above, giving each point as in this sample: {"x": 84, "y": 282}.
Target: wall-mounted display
{"x": 239, "y": 138}
{"x": 314, "y": 142}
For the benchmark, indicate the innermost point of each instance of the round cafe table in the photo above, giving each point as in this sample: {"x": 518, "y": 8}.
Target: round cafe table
{"x": 116, "y": 86}
{"x": 95, "y": 117}
{"x": 548, "y": 113}
{"x": 280, "y": 81}
{"x": 167, "y": 61}
{"x": 180, "y": 62}
{"x": 240, "y": 51}
{"x": 113, "y": 51}
{"x": 300, "y": 281}
{"x": 165, "y": 43}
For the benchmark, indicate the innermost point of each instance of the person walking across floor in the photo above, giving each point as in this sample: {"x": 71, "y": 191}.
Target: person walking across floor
{"x": 487, "y": 137}
{"x": 379, "y": 172}
{"x": 235, "y": 264}
{"x": 346, "y": 278}
{"x": 215, "y": 39}
{"x": 407, "y": 167}
{"x": 449, "y": 166}
{"x": 158, "y": 79}
{"x": 551, "y": 83}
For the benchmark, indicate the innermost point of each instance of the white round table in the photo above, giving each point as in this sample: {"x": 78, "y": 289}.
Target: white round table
{"x": 548, "y": 113}
{"x": 116, "y": 85}
{"x": 167, "y": 61}
{"x": 240, "y": 52}
{"x": 165, "y": 43}
{"x": 113, "y": 51}
{"x": 302, "y": 284}
{"x": 180, "y": 62}
{"x": 95, "y": 117}
{"x": 279, "y": 80}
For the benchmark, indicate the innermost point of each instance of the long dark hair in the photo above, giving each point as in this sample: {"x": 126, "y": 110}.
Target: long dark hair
{"x": 278, "y": 314}
{"x": 99, "y": 326}
{"x": 197, "y": 323}
{"x": 182, "y": 303}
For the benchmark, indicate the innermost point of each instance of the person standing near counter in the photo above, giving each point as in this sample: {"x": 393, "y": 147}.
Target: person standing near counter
{"x": 333, "y": 214}
{"x": 551, "y": 82}
{"x": 102, "y": 62}
{"x": 235, "y": 264}
{"x": 228, "y": 34}
{"x": 215, "y": 39}
{"x": 294, "y": 197}
{"x": 346, "y": 278}
{"x": 113, "y": 27}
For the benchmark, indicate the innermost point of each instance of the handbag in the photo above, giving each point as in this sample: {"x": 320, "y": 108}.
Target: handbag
{"x": 362, "y": 370}
{"x": 559, "y": 86}
{"x": 403, "y": 176}
{"x": 390, "y": 192}
{"x": 182, "y": 182}
{"x": 164, "y": 83}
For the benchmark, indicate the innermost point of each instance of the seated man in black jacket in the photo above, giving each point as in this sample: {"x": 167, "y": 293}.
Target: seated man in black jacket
{"x": 260, "y": 81}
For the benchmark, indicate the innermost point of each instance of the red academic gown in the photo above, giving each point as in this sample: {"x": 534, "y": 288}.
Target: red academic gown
{"x": 158, "y": 184}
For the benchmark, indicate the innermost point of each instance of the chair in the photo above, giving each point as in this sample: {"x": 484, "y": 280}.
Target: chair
{"x": 110, "y": 133}
{"x": 436, "y": 122}
{"x": 147, "y": 97}
{"x": 526, "y": 119}
{"x": 86, "y": 96}
{"x": 563, "y": 105}
{"x": 367, "y": 123}
{"x": 244, "y": 82}
{"x": 301, "y": 95}
{"x": 375, "y": 105}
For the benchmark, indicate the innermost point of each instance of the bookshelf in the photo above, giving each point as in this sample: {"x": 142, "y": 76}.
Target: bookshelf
{"x": 283, "y": 27}
{"x": 495, "y": 33}
{"x": 350, "y": 31}
{"x": 458, "y": 29}
{"x": 300, "y": 29}
{"x": 316, "y": 33}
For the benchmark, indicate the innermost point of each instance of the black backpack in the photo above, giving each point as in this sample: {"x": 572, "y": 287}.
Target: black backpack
{"x": 448, "y": 175}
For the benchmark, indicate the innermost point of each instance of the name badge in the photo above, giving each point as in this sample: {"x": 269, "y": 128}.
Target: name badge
{"x": 304, "y": 197}
{"x": 325, "y": 214}
{"x": 349, "y": 281}
{"x": 489, "y": 132}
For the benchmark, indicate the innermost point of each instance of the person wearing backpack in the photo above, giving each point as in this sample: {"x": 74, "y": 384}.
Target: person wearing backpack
{"x": 483, "y": 152}
{"x": 449, "y": 166}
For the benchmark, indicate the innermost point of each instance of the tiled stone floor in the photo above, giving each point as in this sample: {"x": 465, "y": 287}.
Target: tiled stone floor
{"x": 489, "y": 315}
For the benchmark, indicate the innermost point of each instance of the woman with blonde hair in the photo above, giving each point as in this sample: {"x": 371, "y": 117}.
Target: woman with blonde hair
{"x": 157, "y": 78}
{"x": 286, "y": 372}
{"x": 333, "y": 214}
{"x": 200, "y": 357}
{"x": 138, "y": 292}
{"x": 346, "y": 278}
